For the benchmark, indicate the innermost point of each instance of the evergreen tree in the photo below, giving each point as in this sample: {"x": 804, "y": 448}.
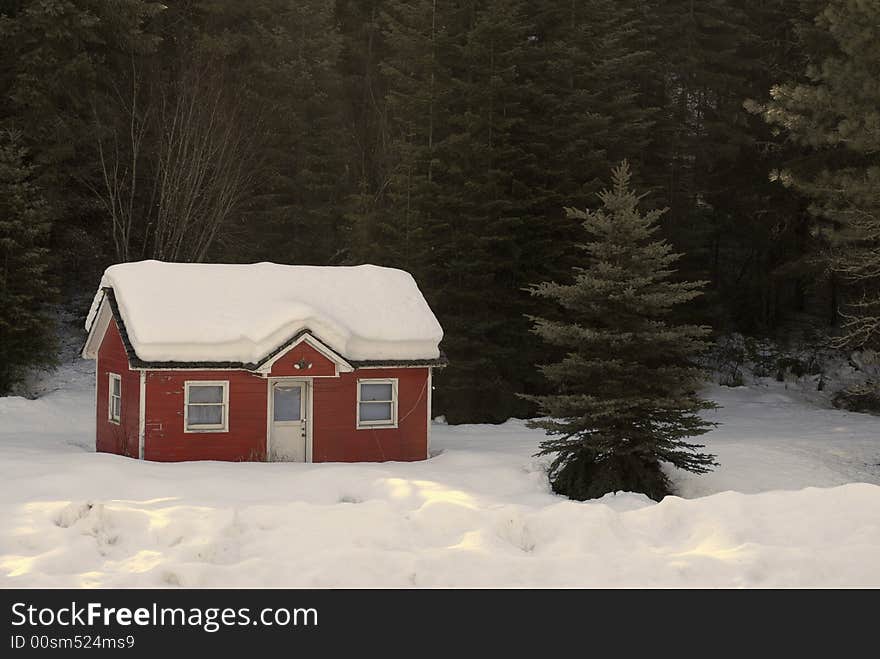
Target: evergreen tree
{"x": 26, "y": 337}
{"x": 280, "y": 61}
{"x": 585, "y": 111}
{"x": 834, "y": 113}
{"x": 58, "y": 58}
{"x": 291, "y": 69}
{"x": 625, "y": 396}
{"x": 453, "y": 197}
{"x": 365, "y": 120}
{"x": 478, "y": 168}
{"x": 709, "y": 159}
{"x": 480, "y": 226}
{"x": 415, "y": 80}
{"x": 588, "y": 64}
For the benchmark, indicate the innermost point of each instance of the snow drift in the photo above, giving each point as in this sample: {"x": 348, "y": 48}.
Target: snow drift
{"x": 192, "y": 312}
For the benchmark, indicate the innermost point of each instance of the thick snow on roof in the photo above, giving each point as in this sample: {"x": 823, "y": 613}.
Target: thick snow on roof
{"x": 194, "y": 312}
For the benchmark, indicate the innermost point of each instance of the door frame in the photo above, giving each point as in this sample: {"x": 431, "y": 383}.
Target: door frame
{"x": 308, "y": 409}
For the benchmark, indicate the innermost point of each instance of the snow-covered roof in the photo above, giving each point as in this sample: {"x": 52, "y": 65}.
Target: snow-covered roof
{"x": 196, "y": 312}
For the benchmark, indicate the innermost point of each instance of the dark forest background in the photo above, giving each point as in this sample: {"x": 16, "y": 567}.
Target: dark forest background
{"x": 442, "y": 137}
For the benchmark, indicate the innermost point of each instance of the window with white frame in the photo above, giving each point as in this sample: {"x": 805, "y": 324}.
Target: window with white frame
{"x": 114, "y": 404}
{"x": 206, "y": 406}
{"x": 377, "y": 403}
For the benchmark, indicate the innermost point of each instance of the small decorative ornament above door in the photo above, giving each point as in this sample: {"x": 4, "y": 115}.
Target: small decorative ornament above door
{"x": 302, "y": 364}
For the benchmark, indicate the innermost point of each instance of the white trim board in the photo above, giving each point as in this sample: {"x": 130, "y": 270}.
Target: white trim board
{"x": 142, "y": 415}
{"x": 97, "y": 331}
{"x": 430, "y": 414}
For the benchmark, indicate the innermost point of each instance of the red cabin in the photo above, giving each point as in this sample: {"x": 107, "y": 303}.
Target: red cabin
{"x": 262, "y": 362}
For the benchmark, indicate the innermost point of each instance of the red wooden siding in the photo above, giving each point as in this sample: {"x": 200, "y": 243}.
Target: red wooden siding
{"x": 335, "y": 435}
{"x": 321, "y": 366}
{"x": 166, "y": 440}
{"x": 120, "y": 438}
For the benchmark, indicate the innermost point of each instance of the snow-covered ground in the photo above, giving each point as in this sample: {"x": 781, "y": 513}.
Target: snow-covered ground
{"x": 795, "y": 502}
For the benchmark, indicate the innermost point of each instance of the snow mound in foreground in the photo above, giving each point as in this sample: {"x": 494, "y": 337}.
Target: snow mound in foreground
{"x": 240, "y": 313}
{"x": 403, "y": 532}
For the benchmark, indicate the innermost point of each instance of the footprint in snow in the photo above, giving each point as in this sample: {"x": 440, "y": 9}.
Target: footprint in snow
{"x": 72, "y": 513}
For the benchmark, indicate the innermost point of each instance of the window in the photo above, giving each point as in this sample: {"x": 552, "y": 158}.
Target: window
{"x": 287, "y": 403}
{"x": 114, "y": 405}
{"x": 206, "y": 406}
{"x": 377, "y": 403}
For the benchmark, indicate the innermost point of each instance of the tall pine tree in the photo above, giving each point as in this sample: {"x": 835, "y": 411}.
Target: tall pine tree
{"x": 585, "y": 60}
{"x": 57, "y": 60}
{"x": 26, "y": 337}
{"x": 625, "y": 398}
{"x": 477, "y": 168}
{"x": 834, "y": 112}
{"x": 708, "y": 162}
{"x": 482, "y": 224}
{"x": 282, "y": 59}
{"x": 415, "y": 81}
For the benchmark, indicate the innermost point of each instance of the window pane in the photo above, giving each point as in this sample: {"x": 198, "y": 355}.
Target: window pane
{"x": 114, "y": 408}
{"x": 116, "y": 383}
{"x": 205, "y": 394}
{"x": 199, "y": 415}
{"x": 376, "y": 391}
{"x": 376, "y": 412}
{"x": 288, "y": 403}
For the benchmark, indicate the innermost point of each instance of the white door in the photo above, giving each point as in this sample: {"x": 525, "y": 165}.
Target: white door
{"x": 287, "y": 438}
